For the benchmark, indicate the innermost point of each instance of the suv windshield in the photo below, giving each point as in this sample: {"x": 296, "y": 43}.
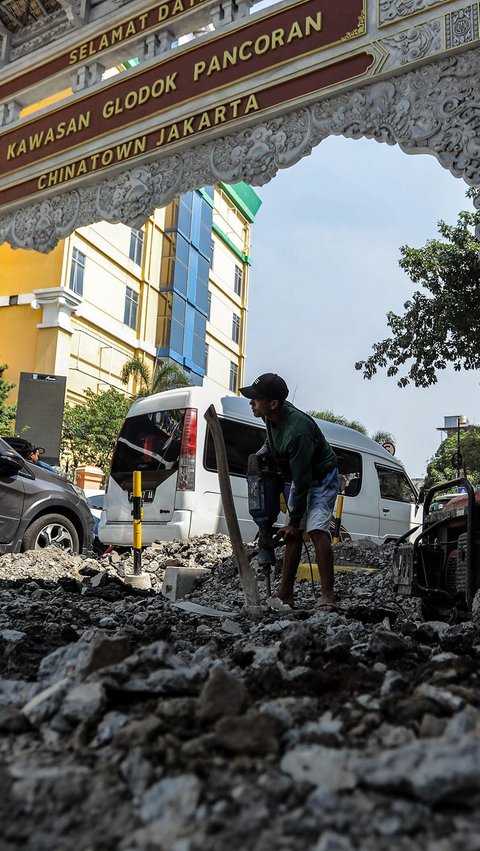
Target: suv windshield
{"x": 150, "y": 443}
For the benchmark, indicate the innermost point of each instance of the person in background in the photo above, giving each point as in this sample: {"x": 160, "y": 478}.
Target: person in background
{"x": 30, "y": 452}
{"x": 305, "y": 459}
{"x": 33, "y": 455}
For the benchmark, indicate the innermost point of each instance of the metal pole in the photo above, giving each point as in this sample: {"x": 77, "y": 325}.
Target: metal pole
{"x": 338, "y": 519}
{"x": 137, "y": 522}
{"x": 458, "y": 448}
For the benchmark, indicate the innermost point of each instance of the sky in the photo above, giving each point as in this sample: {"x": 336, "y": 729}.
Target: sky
{"x": 325, "y": 251}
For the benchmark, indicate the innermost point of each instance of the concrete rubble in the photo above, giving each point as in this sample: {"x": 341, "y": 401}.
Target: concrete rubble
{"x": 129, "y": 723}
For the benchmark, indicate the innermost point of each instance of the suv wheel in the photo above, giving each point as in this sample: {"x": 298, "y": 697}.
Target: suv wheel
{"x": 51, "y": 530}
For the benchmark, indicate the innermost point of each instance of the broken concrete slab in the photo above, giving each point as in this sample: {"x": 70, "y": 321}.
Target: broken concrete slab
{"x": 180, "y": 581}
{"x": 197, "y": 609}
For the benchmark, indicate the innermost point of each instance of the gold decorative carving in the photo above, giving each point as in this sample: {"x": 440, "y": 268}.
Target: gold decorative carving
{"x": 361, "y": 27}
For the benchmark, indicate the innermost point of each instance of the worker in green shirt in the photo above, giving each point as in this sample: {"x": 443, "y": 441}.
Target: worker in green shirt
{"x": 305, "y": 459}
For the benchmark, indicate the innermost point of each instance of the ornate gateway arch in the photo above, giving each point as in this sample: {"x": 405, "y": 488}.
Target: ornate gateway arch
{"x": 244, "y": 94}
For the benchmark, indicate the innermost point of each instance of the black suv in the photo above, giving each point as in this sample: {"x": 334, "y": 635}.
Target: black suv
{"x": 39, "y": 508}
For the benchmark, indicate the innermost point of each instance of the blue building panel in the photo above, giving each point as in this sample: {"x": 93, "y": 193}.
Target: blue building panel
{"x": 193, "y": 253}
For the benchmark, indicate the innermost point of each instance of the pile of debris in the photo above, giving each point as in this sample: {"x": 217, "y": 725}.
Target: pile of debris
{"x": 130, "y": 723}
{"x": 202, "y": 551}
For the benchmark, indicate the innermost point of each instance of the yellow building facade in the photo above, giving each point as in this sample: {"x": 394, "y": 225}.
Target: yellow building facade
{"x": 174, "y": 290}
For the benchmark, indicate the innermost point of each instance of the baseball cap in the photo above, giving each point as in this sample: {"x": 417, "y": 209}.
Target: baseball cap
{"x": 268, "y": 386}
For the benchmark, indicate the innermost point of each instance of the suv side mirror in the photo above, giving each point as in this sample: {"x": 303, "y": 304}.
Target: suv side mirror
{"x": 10, "y": 462}
{"x": 421, "y": 495}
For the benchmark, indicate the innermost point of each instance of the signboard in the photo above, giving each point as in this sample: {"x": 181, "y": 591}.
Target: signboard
{"x": 389, "y": 446}
{"x": 40, "y": 407}
{"x": 254, "y": 47}
{"x": 272, "y": 41}
{"x": 165, "y": 136}
{"x": 98, "y": 42}
{"x": 315, "y": 67}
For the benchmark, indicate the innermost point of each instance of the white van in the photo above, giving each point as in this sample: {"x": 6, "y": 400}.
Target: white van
{"x": 167, "y": 438}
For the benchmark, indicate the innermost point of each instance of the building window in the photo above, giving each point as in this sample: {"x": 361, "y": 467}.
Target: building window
{"x": 238, "y": 280}
{"x": 209, "y": 306}
{"x": 235, "y": 328}
{"x": 184, "y": 218}
{"x": 77, "y": 271}
{"x": 232, "y": 385}
{"x": 206, "y": 356}
{"x": 212, "y": 255}
{"x": 131, "y": 308}
{"x": 136, "y": 246}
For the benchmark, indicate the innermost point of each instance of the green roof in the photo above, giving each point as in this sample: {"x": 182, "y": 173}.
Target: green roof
{"x": 244, "y": 197}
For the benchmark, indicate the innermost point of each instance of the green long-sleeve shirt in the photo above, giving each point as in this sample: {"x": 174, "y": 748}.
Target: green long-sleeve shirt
{"x": 302, "y": 453}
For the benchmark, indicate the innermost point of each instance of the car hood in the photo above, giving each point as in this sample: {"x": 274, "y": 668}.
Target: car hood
{"x": 58, "y": 483}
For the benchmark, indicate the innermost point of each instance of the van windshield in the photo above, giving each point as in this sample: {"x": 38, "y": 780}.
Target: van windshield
{"x": 395, "y": 485}
{"x": 150, "y": 443}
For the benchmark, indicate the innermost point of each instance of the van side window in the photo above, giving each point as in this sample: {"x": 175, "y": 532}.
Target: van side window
{"x": 395, "y": 485}
{"x": 349, "y": 471}
{"x": 240, "y": 441}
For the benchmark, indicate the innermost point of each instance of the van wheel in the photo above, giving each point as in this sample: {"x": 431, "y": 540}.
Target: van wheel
{"x": 51, "y": 530}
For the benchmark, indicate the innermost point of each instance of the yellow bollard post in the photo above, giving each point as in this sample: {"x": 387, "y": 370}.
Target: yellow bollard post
{"x": 338, "y": 519}
{"x": 137, "y": 522}
{"x": 137, "y": 578}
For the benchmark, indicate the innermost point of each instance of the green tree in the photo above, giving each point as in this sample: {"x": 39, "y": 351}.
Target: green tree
{"x": 383, "y": 437}
{"x": 7, "y": 412}
{"x": 442, "y": 466}
{"x": 165, "y": 376}
{"x": 90, "y": 430}
{"x": 441, "y": 322}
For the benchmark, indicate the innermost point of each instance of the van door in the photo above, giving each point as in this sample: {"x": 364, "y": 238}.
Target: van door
{"x": 360, "y": 505}
{"x": 397, "y": 499}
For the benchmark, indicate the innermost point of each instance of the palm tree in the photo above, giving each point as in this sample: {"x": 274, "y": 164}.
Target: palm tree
{"x": 379, "y": 436}
{"x": 165, "y": 376}
{"x": 330, "y": 417}
{"x": 382, "y": 437}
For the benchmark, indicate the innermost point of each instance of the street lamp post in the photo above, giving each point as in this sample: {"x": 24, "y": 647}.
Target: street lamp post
{"x": 459, "y": 457}
{"x": 452, "y": 425}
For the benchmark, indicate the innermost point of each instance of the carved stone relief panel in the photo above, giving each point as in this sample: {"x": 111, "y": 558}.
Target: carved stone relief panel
{"x": 461, "y": 26}
{"x": 391, "y": 11}
{"x": 412, "y": 44}
{"x": 34, "y": 36}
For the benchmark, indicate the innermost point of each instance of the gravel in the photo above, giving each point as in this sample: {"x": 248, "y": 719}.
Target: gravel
{"x": 129, "y": 723}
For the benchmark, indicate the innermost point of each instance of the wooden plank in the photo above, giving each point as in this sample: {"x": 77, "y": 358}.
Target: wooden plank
{"x": 247, "y": 578}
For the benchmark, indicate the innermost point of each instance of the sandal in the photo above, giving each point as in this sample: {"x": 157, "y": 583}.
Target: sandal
{"x": 326, "y": 607}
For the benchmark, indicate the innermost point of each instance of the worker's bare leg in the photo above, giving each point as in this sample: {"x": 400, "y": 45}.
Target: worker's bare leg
{"x": 291, "y": 560}
{"x": 324, "y": 555}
